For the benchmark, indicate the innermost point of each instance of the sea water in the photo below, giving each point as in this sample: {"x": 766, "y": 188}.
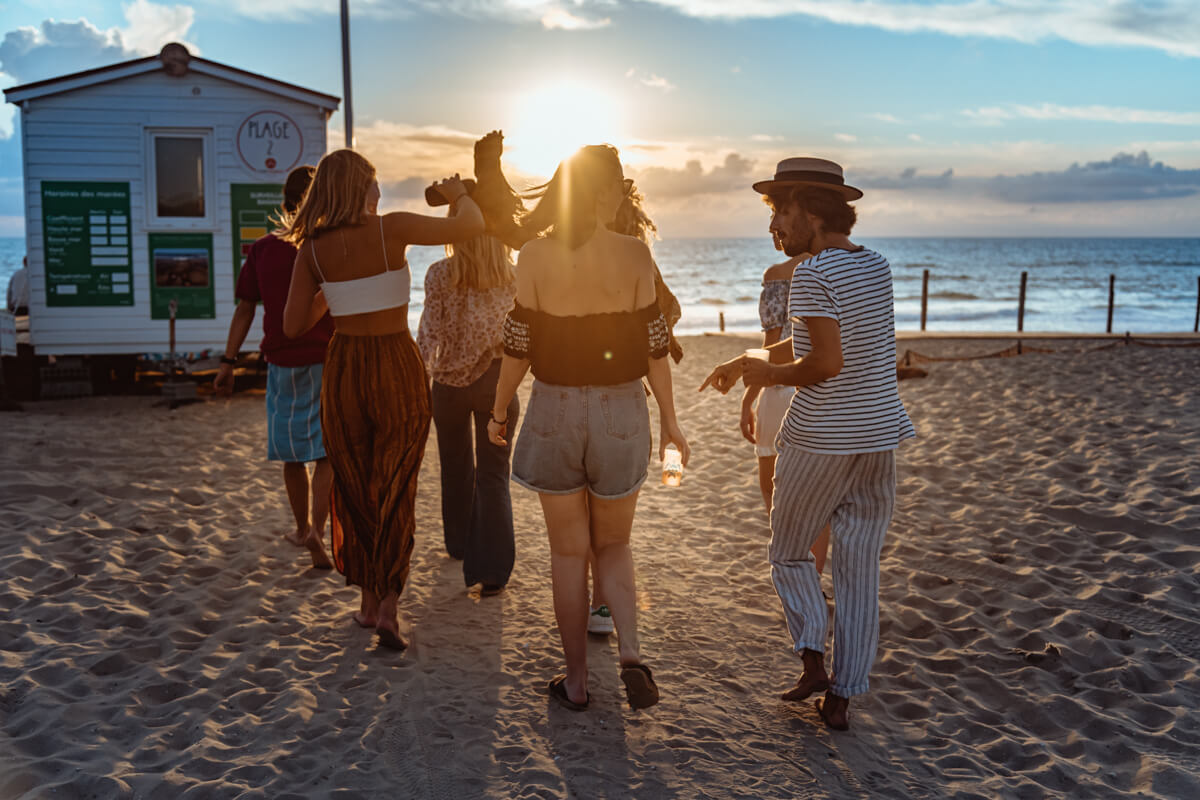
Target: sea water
{"x": 974, "y": 283}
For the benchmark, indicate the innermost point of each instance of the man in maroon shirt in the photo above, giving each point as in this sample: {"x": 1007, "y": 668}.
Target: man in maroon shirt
{"x": 294, "y": 369}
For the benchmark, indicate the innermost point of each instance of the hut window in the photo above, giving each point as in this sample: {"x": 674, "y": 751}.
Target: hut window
{"x": 180, "y": 178}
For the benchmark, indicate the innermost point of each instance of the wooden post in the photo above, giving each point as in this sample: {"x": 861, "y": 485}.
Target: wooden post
{"x": 173, "y": 306}
{"x": 924, "y": 296}
{"x": 1021, "y": 303}
{"x": 1112, "y": 291}
{"x": 721, "y": 318}
{"x": 1196, "y": 324}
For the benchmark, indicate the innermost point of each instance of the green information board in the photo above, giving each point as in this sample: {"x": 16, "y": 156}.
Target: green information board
{"x": 251, "y": 206}
{"x": 181, "y": 268}
{"x": 85, "y": 233}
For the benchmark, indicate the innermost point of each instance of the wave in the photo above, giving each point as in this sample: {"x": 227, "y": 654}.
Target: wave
{"x": 943, "y": 296}
{"x": 712, "y": 301}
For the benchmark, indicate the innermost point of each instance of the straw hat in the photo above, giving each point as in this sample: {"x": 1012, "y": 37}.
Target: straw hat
{"x": 809, "y": 172}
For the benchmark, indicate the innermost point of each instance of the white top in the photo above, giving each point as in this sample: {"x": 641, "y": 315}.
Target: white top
{"x": 859, "y": 409}
{"x": 18, "y": 289}
{"x": 383, "y": 290}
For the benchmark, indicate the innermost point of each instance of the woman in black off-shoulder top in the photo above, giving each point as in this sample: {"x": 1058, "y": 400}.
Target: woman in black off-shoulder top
{"x": 586, "y": 323}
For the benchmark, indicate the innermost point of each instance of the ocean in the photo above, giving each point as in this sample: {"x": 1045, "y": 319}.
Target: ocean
{"x": 973, "y": 282}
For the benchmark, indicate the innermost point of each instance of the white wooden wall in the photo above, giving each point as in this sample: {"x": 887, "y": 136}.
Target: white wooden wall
{"x": 98, "y": 134}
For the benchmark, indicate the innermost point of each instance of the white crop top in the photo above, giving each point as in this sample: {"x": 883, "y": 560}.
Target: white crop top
{"x": 388, "y": 289}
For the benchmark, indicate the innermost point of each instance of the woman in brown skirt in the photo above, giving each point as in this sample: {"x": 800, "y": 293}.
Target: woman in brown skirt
{"x": 375, "y": 407}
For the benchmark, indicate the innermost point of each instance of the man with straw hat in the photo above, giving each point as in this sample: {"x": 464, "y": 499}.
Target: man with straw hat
{"x": 837, "y": 462}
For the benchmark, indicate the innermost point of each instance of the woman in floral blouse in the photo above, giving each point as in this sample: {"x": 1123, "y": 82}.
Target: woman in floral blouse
{"x": 467, "y": 295}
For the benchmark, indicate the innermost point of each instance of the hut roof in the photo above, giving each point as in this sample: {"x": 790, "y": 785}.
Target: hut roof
{"x": 175, "y": 60}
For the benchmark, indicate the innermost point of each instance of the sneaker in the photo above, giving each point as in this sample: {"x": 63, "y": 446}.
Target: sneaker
{"x": 600, "y": 621}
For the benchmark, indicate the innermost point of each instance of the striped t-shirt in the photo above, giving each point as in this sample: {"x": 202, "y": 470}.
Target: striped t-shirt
{"x": 859, "y": 409}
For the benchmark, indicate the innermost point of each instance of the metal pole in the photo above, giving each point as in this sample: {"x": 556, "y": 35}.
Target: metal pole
{"x": 348, "y": 108}
{"x": 1112, "y": 292}
{"x": 1021, "y": 303}
{"x": 924, "y": 296}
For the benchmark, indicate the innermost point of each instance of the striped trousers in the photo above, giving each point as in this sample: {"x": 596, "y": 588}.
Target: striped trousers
{"x": 855, "y": 494}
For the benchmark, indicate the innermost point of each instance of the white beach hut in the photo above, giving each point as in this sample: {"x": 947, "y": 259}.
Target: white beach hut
{"x": 144, "y": 183}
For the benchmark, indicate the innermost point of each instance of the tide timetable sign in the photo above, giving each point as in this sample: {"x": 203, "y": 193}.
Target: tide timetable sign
{"x": 85, "y": 233}
{"x": 268, "y": 141}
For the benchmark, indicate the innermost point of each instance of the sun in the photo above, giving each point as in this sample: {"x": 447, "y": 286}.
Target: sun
{"x": 554, "y": 120}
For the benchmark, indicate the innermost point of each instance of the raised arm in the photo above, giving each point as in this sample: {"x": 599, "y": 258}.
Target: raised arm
{"x": 464, "y": 222}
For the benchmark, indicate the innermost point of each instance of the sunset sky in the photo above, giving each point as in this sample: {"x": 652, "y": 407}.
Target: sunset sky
{"x": 986, "y": 117}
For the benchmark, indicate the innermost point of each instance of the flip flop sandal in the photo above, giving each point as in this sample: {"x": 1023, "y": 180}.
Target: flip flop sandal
{"x": 558, "y": 693}
{"x": 640, "y": 688}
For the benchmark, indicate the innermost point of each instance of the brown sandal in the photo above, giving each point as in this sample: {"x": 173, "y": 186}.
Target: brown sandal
{"x": 640, "y": 688}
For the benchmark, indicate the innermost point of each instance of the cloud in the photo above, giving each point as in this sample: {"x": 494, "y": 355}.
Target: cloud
{"x": 564, "y": 20}
{"x": 845, "y": 137}
{"x": 57, "y": 48}
{"x": 1050, "y": 111}
{"x": 733, "y": 173}
{"x": 1171, "y": 26}
{"x": 907, "y": 180}
{"x": 566, "y": 15}
{"x": 54, "y": 48}
{"x": 1124, "y": 177}
{"x": 886, "y": 118}
{"x": 914, "y": 137}
{"x": 651, "y": 80}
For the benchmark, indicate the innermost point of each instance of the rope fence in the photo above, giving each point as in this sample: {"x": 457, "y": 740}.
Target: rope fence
{"x": 912, "y": 357}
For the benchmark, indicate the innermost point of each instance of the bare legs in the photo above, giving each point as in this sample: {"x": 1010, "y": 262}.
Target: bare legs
{"x": 574, "y": 523}
{"x": 766, "y": 483}
{"x": 310, "y": 535}
{"x": 295, "y": 480}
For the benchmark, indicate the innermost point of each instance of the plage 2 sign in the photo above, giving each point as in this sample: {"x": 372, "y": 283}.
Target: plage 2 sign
{"x": 268, "y": 141}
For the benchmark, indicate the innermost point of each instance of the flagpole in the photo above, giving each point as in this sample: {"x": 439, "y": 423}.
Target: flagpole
{"x": 348, "y": 108}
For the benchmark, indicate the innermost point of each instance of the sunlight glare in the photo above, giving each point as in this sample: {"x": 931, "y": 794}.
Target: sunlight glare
{"x": 553, "y": 121}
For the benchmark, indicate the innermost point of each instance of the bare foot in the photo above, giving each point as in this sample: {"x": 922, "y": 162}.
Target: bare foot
{"x": 315, "y": 543}
{"x": 367, "y": 615}
{"x": 815, "y": 678}
{"x": 296, "y": 537}
{"x": 386, "y": 624}
{"x": 805, "y": 687}
{"x": 835, "y": 711}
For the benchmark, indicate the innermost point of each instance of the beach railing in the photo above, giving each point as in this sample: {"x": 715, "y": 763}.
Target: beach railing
{"x": 1112, "y": 302}
{"x": 1112, "y": 294}
{"x": 924, "y": 297}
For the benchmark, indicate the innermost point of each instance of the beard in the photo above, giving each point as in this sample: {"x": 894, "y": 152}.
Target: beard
{"x": 794, "y": 245}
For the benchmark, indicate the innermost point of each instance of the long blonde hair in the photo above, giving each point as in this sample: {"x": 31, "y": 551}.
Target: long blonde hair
{"x": 481, "y": 262}
{"x": 336, "y": 197}
{"x": 566, "y": 207}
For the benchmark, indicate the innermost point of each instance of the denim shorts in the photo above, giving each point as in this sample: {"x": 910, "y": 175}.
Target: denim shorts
{"x": 584, "y": 437}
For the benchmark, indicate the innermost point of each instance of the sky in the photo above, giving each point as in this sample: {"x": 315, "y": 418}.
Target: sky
{"x": 956, "y": 117}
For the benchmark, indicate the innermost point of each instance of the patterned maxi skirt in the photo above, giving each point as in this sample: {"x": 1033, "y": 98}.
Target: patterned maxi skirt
{"x": 375, "y": 413}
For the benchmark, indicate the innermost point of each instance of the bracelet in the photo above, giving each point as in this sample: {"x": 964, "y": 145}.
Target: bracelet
{"x": 492, "y": 417}
{"x": 227, "y": 360}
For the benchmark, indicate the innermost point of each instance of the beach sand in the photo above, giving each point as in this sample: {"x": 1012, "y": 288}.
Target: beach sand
{"x": 1039, "y": 635}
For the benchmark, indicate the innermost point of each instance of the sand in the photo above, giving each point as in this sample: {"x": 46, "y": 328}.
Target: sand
{"x": 159, "y": 639}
